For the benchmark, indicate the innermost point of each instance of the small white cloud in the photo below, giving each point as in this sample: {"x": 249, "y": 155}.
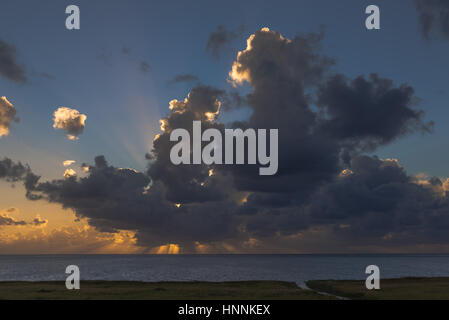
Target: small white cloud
{"x": 70, "y": 120}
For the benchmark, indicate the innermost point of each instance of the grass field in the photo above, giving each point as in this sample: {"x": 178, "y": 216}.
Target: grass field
{"x": 390, "y": 289}
{"x": 404, "y": 288}
{"x": 100, "y": 290}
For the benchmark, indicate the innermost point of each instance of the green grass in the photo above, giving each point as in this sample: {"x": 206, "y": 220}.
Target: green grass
{"x": 111, "y": 290}
{"x": 390, "y": 289}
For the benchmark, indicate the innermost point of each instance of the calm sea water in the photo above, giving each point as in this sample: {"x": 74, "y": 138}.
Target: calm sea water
{"x": 297, "y": 268}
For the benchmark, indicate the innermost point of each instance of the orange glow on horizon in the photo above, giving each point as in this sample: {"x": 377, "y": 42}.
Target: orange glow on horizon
{"x": 168, "y": 249}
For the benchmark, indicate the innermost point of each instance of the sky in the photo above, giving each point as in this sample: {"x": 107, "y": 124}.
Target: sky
{"x": 306, "y": 71}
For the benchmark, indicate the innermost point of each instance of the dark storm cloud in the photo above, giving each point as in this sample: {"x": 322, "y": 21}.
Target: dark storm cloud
{"x": 433, "y": 17}
{"x": 378, "y": 201}
{"x": 279, "y": 71}
{"x": 324, "y": 181}
{"x": 220, "y": 38}
{"x": 104, "y": 190}
{"x": 183, "y": 77}
{"x": 9, "y": 67}
{"x": 233, "y": 100}
{"x": 314, "y": 147}
{"x": 374, "y": 203}
{"x": 115, "y": 198}
{"x": 365, "y": 112}
{"x": 13, "y": 171}
{"x": 371, "y": 112}
{"x": 201, "y": 102}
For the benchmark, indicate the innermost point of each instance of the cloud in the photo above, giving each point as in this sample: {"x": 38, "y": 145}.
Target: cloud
{"x": 183, "y": 77}
{"x": 9, "y": 68}
{"x": 75, "y": 240}
{"x": 69, "y": 120}
{"x": 7, "y": 116}
{"x": 7, "y": 220}
{"x": 114, "y": 199}
{"x": 39, "y": 222}
{"x": 433, "y": 17}
{"x": 202, "y": 103}
{"x": 68, "y": 163}
{"x": 69, "y": 173}
{"x": 379, "y": 203}
{"x": 354, "y": 110}
{"x": 12, "y": 171}
{"x": 325, "y": 188}
{"x": 307, "y": 65}
{"x": 221, "y": 37}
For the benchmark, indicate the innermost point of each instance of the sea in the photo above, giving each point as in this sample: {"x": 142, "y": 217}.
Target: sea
{"x": 294, "y": 268}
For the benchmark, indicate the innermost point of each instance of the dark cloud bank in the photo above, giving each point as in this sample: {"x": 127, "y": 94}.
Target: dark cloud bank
{"x": 326, "y": 187}
{"x": 9, "y": 67}
{"x": 433, "y": 17}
